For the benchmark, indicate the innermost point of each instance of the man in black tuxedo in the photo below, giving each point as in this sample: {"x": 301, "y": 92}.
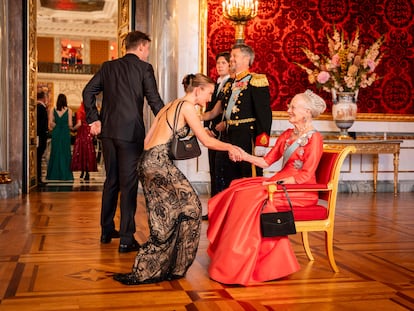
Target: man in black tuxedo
{"x": 223, "y": 71}
{"x": 42, "y": 131}
{"x": 124, "y": 83}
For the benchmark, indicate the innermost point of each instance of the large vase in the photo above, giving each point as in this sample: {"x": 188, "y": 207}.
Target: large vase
{"x": 344, "y": 111}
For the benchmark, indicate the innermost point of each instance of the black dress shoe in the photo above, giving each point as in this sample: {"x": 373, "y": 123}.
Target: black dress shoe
{"x": 204, "y": 217}
{"x": 126, "y": 248}
{"x": 107, "y": 238}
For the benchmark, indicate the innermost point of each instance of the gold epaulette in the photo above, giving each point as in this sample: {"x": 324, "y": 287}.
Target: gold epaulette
{"x": 259, "y": 80}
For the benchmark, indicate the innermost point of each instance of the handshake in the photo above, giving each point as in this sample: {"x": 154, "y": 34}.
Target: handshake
{"x": 237, "y": 154}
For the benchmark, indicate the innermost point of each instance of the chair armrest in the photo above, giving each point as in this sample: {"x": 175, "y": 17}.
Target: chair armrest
{"x": 271, "y": 188}
{"x": 304, "y": 187}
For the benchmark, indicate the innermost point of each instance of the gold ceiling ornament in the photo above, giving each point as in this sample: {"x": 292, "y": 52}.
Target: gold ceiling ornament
{"x": 240, "y": 12}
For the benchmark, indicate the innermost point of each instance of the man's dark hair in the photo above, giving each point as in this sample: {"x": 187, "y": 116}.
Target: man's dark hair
{"x": 41, "y": 95}
{"x": 135, "y": 38}
{"x": 226, "y": 56}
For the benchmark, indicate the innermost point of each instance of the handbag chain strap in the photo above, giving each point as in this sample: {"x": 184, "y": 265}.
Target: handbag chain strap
{"x": 287, "y": 197}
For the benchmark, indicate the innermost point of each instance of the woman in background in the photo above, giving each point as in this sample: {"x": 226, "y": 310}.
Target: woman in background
{"x": 60, "y": 124}
{"x": 84, "y": 154}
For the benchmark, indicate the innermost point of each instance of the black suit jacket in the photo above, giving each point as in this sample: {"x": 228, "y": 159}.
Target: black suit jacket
{"x": 211, "y": 124}
{"x": 42, "y": 124}
{"x": 125, "y": 82}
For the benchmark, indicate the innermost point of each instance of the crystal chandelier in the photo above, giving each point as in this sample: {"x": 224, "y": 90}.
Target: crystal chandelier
{"x": 240, "y": 12}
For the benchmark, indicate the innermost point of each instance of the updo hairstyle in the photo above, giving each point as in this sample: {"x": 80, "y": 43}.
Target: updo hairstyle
{"x": 313, "y": 102}
{"x": 191, "y": 81}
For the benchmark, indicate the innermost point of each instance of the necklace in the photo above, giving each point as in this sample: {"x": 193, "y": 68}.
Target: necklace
{"x": 299, "y": 131}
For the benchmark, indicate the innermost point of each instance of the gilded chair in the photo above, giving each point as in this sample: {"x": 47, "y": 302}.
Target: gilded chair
{"x": 320, "y": 217}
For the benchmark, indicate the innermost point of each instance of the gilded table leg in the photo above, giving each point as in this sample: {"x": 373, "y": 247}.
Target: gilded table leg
{"x": 375, "y": 167}
{"x": 396, "y": 163}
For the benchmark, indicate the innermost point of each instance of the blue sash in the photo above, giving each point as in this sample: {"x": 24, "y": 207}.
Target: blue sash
{"x": 289, "y": 151}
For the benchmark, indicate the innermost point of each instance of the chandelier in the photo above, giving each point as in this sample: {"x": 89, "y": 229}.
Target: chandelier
{"x": 240, "y": 12}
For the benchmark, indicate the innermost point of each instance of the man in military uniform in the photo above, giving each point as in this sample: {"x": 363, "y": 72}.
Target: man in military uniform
{"x": 247, "y": 111}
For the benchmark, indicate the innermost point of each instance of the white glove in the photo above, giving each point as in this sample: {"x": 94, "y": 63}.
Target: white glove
{"x": 260, "y": 151}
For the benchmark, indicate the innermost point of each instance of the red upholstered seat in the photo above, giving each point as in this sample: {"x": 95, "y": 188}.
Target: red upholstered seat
{"x": 314, "y": 212}
{"x": 319, "y": 217}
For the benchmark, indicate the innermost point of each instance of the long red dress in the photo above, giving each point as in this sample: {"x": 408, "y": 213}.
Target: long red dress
{"x": 84, "y": 154}
{"x": 238, "y": 253}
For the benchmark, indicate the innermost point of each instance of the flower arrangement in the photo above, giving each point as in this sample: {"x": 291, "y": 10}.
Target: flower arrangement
{"x": 347, "y": 68}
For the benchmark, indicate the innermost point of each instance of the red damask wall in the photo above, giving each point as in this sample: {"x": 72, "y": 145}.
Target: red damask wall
{"x": 283, "y": 27}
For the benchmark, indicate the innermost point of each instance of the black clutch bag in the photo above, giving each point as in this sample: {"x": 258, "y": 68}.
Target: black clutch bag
{"x": 277, "y": 223}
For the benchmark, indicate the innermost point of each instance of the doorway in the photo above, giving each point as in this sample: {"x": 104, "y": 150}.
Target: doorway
{"x": 63, "y": 22}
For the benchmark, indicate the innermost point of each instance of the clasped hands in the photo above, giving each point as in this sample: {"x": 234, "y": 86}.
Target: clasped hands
{"x": 95, "y": 127}
{"x": 237, "y": 154}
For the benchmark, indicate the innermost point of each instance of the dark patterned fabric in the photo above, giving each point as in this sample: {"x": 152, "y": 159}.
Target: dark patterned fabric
{"x": 84, "y": 154}
{"x": 283, "y": 27}
{"x": 174, "y": 217}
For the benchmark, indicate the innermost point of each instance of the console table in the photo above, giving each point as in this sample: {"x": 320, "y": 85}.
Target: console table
{"x": 374, "y": 147}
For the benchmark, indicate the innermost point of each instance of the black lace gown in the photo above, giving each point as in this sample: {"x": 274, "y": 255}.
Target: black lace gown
{"x": 174, "y": 217}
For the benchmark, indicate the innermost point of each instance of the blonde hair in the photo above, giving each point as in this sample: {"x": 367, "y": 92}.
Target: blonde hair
{"x": 191, "y": 81}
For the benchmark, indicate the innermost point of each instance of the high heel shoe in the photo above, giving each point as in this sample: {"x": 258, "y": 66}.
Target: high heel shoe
{"x": 81, "y": 175}
{"x": 87, "y": 176}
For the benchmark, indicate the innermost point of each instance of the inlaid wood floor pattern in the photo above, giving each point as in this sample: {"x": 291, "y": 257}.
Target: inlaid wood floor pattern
{"x": 51, "y": 259}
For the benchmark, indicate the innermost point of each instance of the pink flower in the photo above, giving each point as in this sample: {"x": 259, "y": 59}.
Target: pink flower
{"x": 323, "y": 77}
{"x": 335, "y": 60}
{"x": 371, "y": 64}
{"x": 347, "y": 67}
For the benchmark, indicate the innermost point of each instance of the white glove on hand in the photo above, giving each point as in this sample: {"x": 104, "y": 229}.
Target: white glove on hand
{"x": 260, "y": 151}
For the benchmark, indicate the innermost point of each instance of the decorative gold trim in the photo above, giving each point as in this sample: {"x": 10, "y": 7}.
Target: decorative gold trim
{"x": 203, "y": 14}
{"x": 5, "y": 178}
{"x": 124, "y": 24}
{"x": 31, "y": 103}
{"x": 280, "y": 115}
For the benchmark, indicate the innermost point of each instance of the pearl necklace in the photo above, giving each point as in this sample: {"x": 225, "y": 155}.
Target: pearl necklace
{"x": 301, "y": 131}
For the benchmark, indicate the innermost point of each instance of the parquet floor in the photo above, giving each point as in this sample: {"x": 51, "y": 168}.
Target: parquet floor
{"x": 51, "y": 259}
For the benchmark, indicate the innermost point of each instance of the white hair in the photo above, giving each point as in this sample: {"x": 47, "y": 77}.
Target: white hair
{"x": 313, "y": 102}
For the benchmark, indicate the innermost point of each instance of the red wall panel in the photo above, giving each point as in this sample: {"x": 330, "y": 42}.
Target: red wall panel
{"x": 283, "y": 27}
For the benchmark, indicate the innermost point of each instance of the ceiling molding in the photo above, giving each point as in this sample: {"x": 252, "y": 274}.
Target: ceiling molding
{"x": 95, "y": 24}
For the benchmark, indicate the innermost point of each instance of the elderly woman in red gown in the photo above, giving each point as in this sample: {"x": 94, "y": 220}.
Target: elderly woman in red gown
{"x": 238, "y": 253}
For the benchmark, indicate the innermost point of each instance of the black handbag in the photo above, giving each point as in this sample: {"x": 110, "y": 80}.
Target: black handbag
{"x": 186, "y": 147}
{"x": 277, "y": 223}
